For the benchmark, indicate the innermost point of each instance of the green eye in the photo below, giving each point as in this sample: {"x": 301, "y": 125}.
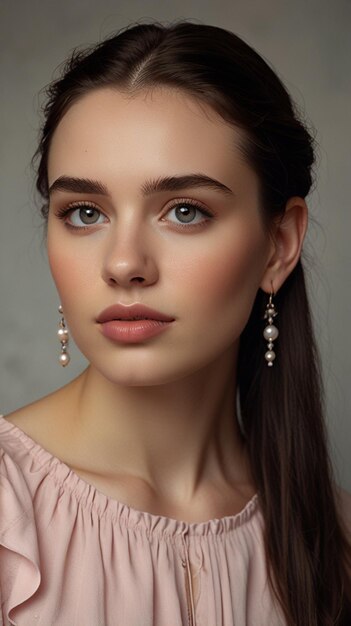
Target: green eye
{"x": 81, "y": 215}
{"x": 185, "y": 212}
{"x": 88, "y": 215}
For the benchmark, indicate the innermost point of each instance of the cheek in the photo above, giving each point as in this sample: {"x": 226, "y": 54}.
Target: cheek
{"x": 222, "y": 281}
{"x": 70, "y": 267}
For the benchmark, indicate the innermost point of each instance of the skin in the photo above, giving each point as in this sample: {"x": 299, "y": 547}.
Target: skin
{"x": 155, "y": 422}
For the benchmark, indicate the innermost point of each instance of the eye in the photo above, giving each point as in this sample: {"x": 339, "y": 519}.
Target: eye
{"x": 185, "y": 212}
{"x": 82, "y": 214}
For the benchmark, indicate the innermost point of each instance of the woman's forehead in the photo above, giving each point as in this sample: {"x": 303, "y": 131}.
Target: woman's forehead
{"x": 159, "y": 114}
{"x": 165, "y": 127}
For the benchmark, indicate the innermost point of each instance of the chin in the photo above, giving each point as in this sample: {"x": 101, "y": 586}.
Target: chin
{"x": 152, "y": 372}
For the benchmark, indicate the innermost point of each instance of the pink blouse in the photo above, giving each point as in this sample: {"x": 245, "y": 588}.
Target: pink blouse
{"x": 72, "y": 556}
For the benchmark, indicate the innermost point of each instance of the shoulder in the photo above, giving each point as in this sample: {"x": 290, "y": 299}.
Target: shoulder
{"x": 11, "y": 453}
{"x": 15, "y": 494}
{"x": 45, "y": 419}
{"x": 31, "y": 416}
{"x": 33, "y": 425}
{"x": 27, "y": 418}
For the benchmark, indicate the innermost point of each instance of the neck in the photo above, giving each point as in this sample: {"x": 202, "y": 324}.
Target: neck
{"x": 176, "y": 437}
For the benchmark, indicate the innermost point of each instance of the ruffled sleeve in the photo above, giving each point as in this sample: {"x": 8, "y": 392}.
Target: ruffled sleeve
{"x": 19, "y": 550}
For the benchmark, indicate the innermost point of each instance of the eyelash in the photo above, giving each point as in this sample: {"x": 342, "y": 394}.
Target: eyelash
{"x": 62, "y": 214}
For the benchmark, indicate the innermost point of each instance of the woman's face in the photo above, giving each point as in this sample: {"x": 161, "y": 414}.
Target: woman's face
{"x": 201, "y": 268}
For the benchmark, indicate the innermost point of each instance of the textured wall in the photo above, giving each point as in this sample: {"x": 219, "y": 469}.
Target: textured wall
{"x": 307, "y": 42}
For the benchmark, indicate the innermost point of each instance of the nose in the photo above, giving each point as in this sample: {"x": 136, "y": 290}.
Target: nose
{"x": 129, "y": 258}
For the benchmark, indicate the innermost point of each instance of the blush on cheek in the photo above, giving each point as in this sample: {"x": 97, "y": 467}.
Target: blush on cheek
{"x": 226, "y": 283}
{"x": 229, "y": 271}
{"x": 71, "y": 274}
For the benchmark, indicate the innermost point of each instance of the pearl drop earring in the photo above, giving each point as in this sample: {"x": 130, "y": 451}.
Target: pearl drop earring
{"x": 62, "y": 333}
{"x": 271, "y": 332}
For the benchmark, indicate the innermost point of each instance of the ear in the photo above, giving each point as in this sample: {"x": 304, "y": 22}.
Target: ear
{"x": 288, "y": 236}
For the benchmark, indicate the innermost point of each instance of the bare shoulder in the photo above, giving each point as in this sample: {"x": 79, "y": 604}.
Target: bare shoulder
{"x": 45, "y": 420}
{"x": 31, "y": 415}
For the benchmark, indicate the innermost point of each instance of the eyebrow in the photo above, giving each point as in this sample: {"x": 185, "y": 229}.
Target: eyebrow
{"x": 167, "y": 183}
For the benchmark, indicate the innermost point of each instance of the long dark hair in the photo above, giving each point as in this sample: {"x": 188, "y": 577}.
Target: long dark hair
{"x": 307, "y": 551}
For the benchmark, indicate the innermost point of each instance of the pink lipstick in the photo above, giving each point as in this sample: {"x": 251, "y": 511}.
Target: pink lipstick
{"x": 133, "y": 323}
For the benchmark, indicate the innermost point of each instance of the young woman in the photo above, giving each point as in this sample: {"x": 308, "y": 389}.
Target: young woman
{"x": 183, "y": 478}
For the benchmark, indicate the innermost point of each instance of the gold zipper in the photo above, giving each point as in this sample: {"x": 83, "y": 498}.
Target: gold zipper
{"x": 189, "y": 589}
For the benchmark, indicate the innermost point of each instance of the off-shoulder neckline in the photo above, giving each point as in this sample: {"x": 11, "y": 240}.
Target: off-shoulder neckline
{"x": 86, "y": 492}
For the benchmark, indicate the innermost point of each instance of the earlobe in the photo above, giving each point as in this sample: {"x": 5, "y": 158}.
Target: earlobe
{"x": 289, "y": 235}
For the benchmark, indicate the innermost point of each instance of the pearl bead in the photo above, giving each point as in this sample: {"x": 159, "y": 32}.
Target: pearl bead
{"x": 60, "y": 309}
{"x": 270, "y": 311}
{"x": 63, "y": 334}
{"x": 269, "y": 356}
{"x": 271, "y": 332}
{"x": 64, "y": 359}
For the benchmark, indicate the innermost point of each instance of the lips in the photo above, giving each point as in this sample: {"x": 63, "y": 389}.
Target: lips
{"x": 134, "y": 311}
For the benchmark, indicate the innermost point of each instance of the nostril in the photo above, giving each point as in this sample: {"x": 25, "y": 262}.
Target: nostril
{"x": 139, "y": 279}
{"x": 113, "y": 281}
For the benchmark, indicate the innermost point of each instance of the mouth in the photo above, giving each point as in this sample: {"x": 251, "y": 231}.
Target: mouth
{"x": 133, "y": 330}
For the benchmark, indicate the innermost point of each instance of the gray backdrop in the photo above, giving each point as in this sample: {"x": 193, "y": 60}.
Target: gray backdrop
{"x": 308, "y": 43}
